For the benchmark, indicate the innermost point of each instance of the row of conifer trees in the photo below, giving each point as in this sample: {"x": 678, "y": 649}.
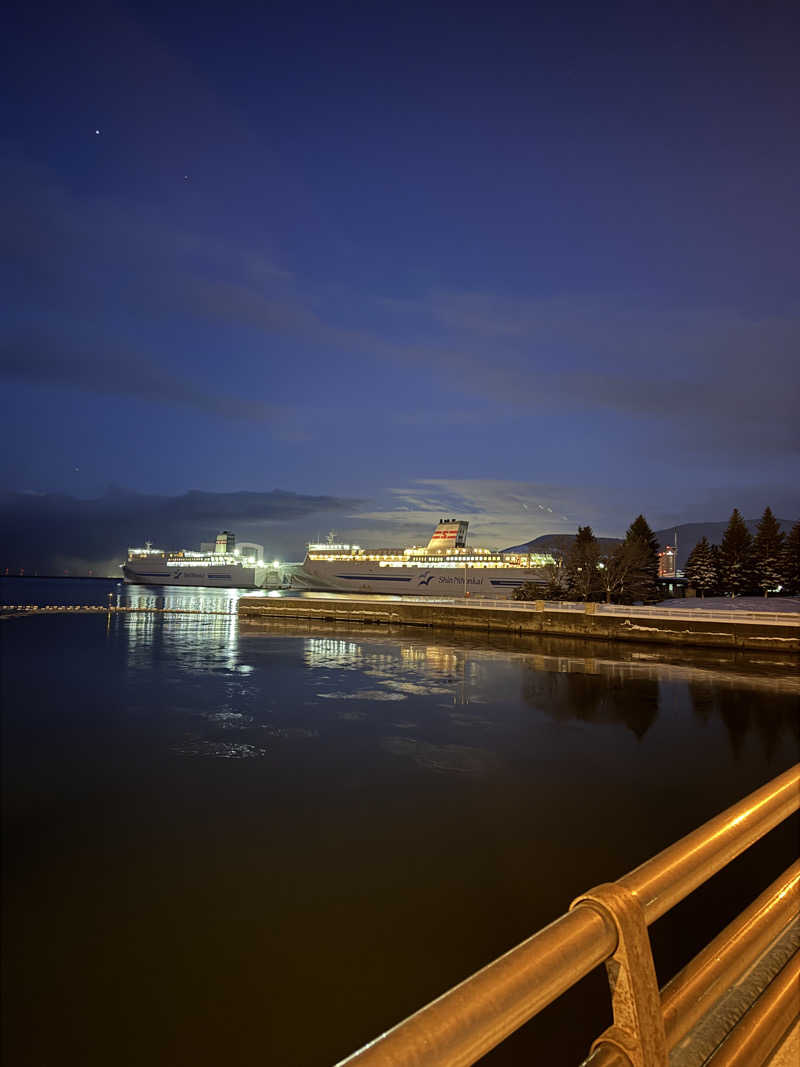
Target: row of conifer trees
{"x": 624, "y": 575}
{"x": 742, "y": 564}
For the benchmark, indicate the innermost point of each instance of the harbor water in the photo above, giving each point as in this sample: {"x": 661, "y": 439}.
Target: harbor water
{"x": 233, "y": 843}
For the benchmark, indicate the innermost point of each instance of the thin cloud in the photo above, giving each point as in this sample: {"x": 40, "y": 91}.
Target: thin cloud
{"x": 504, "y": 513}
{"x": 36, "y": 358}
{"x": 723, "y": 380}
{"x": 711, "y": 382}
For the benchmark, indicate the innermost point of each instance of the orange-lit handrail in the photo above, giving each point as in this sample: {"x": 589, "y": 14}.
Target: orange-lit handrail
{"x": 663, "y": 881}
{"x": 466, "y": 1022}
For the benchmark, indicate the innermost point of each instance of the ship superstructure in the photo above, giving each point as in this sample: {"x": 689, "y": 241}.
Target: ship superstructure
{"x": 446, "y": 566}
{"x": 225, "y": 567}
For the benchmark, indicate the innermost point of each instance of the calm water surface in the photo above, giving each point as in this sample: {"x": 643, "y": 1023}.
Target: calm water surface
{"x": 238, "y": 844}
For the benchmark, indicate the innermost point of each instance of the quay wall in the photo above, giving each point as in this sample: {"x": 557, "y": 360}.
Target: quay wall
{"x": 624, "y": 625}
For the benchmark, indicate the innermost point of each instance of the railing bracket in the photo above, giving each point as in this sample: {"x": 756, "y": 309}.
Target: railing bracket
{"x": 638, "y": 1028}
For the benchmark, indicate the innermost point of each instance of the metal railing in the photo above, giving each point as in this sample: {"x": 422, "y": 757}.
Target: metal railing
{"x": 785, "y": 618}
{"x": 731, "y": 615}
{"x": 609, "y": 923}
{"x": 698, "y": 614}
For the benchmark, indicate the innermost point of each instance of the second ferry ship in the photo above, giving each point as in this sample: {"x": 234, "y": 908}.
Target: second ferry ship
{"x": 225, "y": 567}
{"x": 447, "y": 566}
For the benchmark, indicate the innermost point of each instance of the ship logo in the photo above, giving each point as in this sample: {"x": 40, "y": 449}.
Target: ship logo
{"x": 425, "y": 579}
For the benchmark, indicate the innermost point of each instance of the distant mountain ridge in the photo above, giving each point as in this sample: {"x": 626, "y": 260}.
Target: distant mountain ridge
{"x": 560, "y": 543}
{"x": 689, "y": 533}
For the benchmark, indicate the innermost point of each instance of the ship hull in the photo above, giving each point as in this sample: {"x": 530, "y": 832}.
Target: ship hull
{"x": 202, "y": 577}
{"x": 495, "y": 583}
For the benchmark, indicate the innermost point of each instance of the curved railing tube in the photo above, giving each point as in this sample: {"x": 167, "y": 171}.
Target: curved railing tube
{"x": 466, "y": 1022}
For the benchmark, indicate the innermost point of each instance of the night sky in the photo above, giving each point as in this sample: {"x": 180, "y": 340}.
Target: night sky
{"x": 293, "y": 267}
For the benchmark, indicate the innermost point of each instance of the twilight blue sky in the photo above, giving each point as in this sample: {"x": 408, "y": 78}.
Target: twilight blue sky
{"x": 533, "y": 264}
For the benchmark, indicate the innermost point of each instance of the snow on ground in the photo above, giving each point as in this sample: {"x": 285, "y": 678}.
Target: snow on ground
{"x": 739, "y": 603}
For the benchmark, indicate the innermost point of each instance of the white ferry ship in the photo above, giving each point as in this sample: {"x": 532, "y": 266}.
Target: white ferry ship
{"x": 225, "y": 567}
{"x": 447, "y": 566}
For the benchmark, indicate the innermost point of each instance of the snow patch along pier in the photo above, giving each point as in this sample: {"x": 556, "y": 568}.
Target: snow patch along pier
{"x": 755, "y": 630}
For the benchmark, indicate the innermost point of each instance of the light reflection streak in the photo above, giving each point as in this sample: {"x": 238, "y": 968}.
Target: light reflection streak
{"x": 406, "y": 668}
{"x": 200, "y": 642}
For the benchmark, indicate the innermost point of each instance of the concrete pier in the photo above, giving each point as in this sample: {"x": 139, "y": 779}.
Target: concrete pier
{"x": 9, "y": 611}
{"x": 653, "y": 625}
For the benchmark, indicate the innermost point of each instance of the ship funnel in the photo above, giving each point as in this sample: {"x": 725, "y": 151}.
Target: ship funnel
{"x": 226, "y": 542}
{"x": 449, "y": 534}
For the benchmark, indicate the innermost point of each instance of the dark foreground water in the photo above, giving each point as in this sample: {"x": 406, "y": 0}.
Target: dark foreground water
{"x": 238, "y": 845}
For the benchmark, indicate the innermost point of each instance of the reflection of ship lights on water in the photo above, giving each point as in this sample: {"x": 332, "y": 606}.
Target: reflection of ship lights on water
{"x": 334, "y": 652}
{"x": 212, "y": 603}
{"x": 330, "y": 652}
{"x": 444, "y": 660}
{"x": 206, "y": 639}
{"x": 399, "y": 667}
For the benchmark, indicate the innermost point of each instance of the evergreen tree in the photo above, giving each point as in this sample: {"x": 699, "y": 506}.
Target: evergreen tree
{"x": 621, "y": 570}
{"x": 701, "y": 567}
{"x": 715, "y": 559}
{"x": 768, "y": 552}
{"x": 735, "y": 557}
{"x": 554, "y": 575}
{"x": 790, "y": 564}
{"x": 580, "y": 566}
{"x": 551, "y": 589}
{"x": 642, "y": 544}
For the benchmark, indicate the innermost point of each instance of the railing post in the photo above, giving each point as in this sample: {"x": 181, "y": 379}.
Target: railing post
{"x": 638, "y": 1028}
{"x": 609, "y": 923}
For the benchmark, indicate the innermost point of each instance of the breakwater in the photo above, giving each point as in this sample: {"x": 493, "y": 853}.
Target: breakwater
{"x": 674, "y": 626}
{"x": 30, "y": 610}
